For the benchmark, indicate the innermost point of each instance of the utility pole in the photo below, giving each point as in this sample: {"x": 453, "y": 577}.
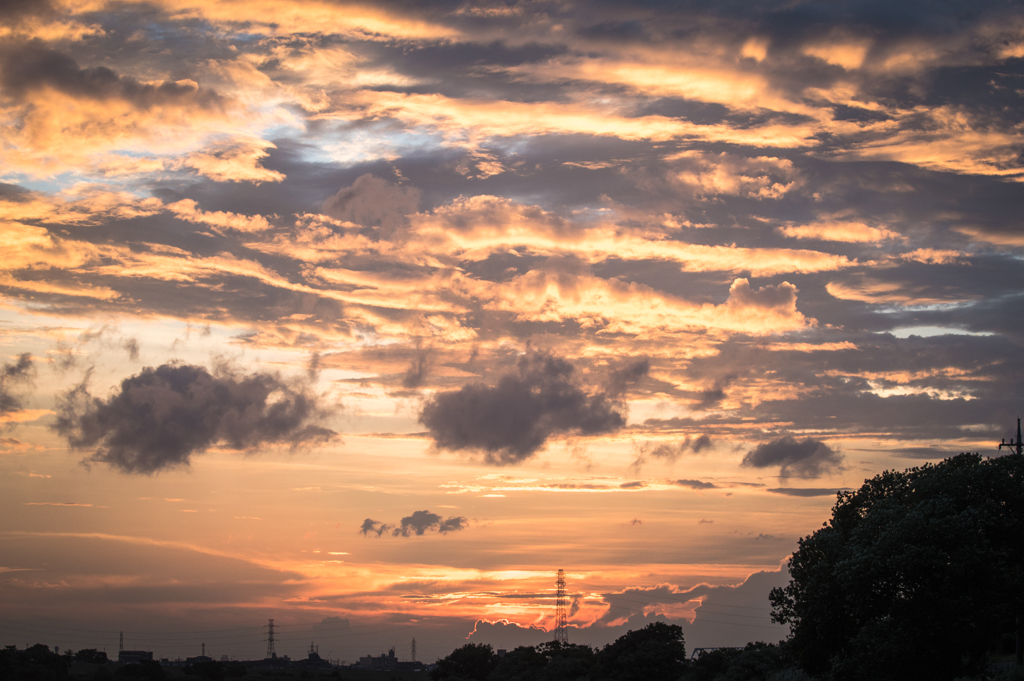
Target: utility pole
{"x": 1018, "y": 449}
{"x": 120, "y": 646}
{"x": 561, "y": 606}
{"x": 1011, "y": 445}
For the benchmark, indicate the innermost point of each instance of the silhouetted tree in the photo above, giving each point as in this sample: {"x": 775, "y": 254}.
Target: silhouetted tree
{"x": 146, "y": 669}
{"x": 655, "y": 652}
{"x": 915, "y": 575}
{"x": 92, "y": 656}
{"x": 521, "y": 664}
{"x": 566, "y": 661}
{"x": 36, "y": 663}
{"x": 211, "y": 670}
{"x": 471, "y": 662}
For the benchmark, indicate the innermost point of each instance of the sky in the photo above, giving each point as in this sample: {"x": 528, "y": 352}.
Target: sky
{"x": 370, "y": 318}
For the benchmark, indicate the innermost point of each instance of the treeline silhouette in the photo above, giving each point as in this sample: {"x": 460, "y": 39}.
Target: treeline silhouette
{"x": 656, "y": 652}
{"x": 918, "y": 574}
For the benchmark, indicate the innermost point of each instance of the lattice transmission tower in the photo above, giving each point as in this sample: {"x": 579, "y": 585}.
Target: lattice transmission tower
{"x": 270, "y": 641}
{"x": 561, "y": 610}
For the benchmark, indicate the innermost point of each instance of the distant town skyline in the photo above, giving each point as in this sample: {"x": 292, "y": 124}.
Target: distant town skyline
{"x": 369, "y": 318}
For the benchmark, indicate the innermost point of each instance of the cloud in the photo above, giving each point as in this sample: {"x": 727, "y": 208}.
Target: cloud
{"x": 373, "y": 202}
{"x": 419, "y": 523}
{"x": 417, "y": 371}
{"x": 763, "y": 177}
{"x": 510, "y": 421}
{"x": 62, "y": 116}
{"x": 695, "y": 484}
{"x": 187, "y": 210}
{"x": 234, "y": 160}
{"x": 624, "y": 377}
{"x": 807, "y": 458}
{"x": 371, "y": 526}
{"x": 849, "y": 232}
{"x": 804, "y": 491}
{"x": 669, "y": 452}
{"x": 11, "y": 374}
{"x": 33, "y": 66}
{"x": 161, "y": 416}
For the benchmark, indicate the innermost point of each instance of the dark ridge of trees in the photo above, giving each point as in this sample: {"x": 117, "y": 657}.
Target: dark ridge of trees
{"x": 36, "y": 663}
{"x": 655, "y": 653}
{"x": 918, "y": 575}
{"x": 146, "y": 670}
{"x": 92, "y": 656}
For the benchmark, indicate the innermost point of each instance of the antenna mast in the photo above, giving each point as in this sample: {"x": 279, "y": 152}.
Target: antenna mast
{"x": 561, "y": 610}
{"x": 414, "y": 650}
{"x": 271, "y": 655}
{"x": 1011, "y": 445}
{"x": 120, "y": 646}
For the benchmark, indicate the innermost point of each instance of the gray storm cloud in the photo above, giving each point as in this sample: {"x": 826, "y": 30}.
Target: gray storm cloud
{"x": 510, "y": 421}
{"x": 160, "y": 417}
{"x": 807, "y": 458}
{"x": 12, "y": 374}
{"x": 419, "y": 523}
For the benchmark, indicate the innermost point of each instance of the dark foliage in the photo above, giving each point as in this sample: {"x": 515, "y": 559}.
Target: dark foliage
{"x": 566, "y": 661}
{"x": 915, "y": 576}
{"x": 92, "y": 656}
{"x": 655, "y": 652}
{"x": 711, "y": 665}
{"x": 547, "y": 662}
{"x": 211, "y": 670}
{"x": 146, "y": 669}
{"x": 36, "y": 663}
{"x": 524, "y": 663}
{"x": 756, "y": 662}
{"x": 471, "y": 662}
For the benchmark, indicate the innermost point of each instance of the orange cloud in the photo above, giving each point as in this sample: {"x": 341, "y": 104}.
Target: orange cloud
{"x": 282, "y": 17}
{"x": 186, "y": 209}
{"x": 849, "y": 232}
{"x": 847, "y": 52}
{"x": 473, "y": 228}
{"x": 613, "y": 306}
{"x": 1011, "y": 239}
{"x": 762, "y": 177}
{"x": 954, "y": 141}
{"x": 234, "y": 160}
{"x": 24, "y": 415}
{"x": 464, "y": 119}
{"x": 867, "y": 289}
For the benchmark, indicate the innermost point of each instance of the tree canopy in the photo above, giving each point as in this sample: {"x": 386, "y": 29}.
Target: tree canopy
{"x": 654, "y": 652}
{"x": 915, "y": 576}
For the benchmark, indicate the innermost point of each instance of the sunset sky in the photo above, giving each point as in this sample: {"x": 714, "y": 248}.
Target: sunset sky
{"x": 369, "y": 318}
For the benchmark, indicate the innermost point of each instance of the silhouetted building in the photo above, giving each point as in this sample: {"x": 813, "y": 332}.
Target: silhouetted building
{"x": 313, "y": 661}
{"x": 134, "y": 656}
{"x": 382, "y": 663}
